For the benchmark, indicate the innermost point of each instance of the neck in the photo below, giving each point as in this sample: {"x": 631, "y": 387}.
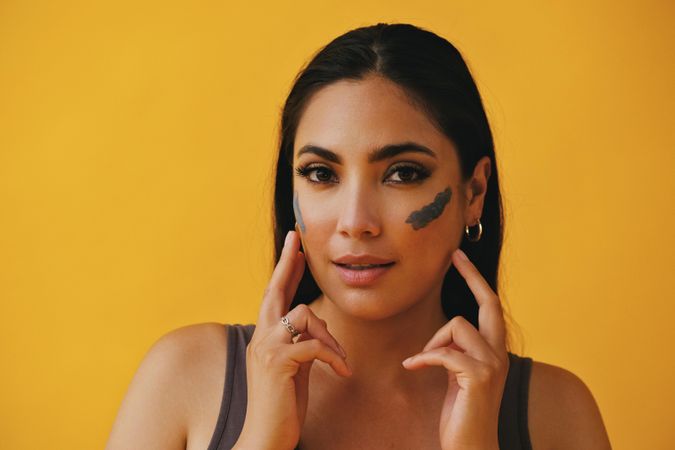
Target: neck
{"x": 376, "y": 349}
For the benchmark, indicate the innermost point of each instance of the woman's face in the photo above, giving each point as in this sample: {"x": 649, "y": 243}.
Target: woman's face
{"x": 406, "y": 207}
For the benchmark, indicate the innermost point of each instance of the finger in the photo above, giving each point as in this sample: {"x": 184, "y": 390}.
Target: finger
{"x": 302, "y": 381}
{"x": 461, "y": 332}
{"x": 275, "y": 301}
{"x": 304, "y": 320}
{"x": 306, "y": 351}
{"x": 491, "y": 322}
{"x": 453, "y": 360}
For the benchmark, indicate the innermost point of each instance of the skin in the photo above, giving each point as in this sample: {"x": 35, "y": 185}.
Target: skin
{"x": 383, "y": 324}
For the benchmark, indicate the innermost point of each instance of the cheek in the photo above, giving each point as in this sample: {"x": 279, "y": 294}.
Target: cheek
{"x": 425, "y": 223}
{"x": 422, "y": 217}
{"x": 425, "y": 257}
{"x": 311, "y": 217}
{"x": 432, "y": 230}
{"x": 315, "y": 226}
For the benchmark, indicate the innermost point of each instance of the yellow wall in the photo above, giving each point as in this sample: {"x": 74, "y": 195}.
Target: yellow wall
{"x": 136, "y": 140}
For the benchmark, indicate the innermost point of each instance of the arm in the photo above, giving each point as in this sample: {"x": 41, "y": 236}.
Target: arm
{"x": 563, "y": 413}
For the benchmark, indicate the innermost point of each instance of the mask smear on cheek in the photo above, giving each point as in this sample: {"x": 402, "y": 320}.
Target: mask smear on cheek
{"x": 422, "y": 217}
{"x": 296, "y": 210}
{"x": 299, "y": 223}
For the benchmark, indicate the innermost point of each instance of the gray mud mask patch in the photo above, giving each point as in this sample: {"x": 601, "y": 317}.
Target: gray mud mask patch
{"x": 296, "y": 211}
{"x": 421, "y": 218}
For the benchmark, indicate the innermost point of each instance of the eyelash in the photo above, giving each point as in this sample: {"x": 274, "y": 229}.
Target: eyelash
{"x": 422, "y": 172}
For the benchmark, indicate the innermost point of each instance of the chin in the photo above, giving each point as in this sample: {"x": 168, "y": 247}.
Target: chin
{"x": 366, "y": 304}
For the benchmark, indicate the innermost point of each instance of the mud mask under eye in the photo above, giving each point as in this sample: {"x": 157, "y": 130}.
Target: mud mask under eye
{"x": 422, "y": 217}
{"x": 296, "y": 211}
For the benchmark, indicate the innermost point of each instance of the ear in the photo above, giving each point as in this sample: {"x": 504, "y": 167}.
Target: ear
{"x": 476, "y": 188}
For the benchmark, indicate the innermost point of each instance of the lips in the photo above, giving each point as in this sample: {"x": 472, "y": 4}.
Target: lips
{"x": 362, "y": 259}
{"x": 363, "y": 266}
{"x": 362, "y": 276}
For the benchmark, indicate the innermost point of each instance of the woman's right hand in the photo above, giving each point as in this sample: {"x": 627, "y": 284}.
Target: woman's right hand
{"x": 277, "y": 370}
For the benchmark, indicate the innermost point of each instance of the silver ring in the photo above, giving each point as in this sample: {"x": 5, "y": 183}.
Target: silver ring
{"x": 289, "y": 326}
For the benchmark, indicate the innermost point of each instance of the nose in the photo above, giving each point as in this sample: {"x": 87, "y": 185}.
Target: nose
{"x": 358, "y": 214}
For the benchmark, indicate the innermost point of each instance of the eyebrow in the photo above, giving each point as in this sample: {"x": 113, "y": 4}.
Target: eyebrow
{"x": 379, "y": 154}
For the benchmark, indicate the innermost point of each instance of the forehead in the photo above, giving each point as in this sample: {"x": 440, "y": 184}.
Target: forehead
{"x": 351, "y": 116}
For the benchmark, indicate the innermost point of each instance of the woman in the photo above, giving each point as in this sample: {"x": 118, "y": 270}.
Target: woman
{"x": 386, "y": 168}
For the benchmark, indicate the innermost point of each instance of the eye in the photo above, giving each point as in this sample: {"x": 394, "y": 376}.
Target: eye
{"x": 322, "y": 173}
{"x": 407, "y": 173}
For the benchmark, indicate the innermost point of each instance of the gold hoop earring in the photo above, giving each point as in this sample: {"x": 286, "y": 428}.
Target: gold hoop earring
{"x": 468, "y": 234}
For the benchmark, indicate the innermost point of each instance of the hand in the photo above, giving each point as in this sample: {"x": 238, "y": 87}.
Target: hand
{"x": 277, "y": 370}
{"x": 477, "y": 363}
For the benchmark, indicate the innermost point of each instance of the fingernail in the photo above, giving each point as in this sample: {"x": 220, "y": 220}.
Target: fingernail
{"x": 342, "y": 350}
{"x": 408, "y": 360}
{"x": 288, "y": 238}
{"x": 462, "y": 255}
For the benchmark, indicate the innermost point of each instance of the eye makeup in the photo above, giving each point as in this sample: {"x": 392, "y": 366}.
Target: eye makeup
{"x": 421, "y": 218}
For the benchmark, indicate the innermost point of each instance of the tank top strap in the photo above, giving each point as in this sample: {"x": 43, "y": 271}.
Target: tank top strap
{"x": 513, "y": 432}
{"x": 233, "y": 404}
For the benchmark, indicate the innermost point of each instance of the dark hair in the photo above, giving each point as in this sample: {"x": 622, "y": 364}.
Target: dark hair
{"x": 435, "y": 77}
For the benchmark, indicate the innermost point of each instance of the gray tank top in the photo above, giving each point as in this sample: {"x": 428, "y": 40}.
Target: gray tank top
{"x": 513, "y": 433}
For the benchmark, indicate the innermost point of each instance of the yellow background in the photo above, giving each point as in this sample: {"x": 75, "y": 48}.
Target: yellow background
{"x": 136, "y": 144}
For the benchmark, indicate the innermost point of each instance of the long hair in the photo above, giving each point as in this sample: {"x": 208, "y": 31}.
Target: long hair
{"x": 435, "y": 77}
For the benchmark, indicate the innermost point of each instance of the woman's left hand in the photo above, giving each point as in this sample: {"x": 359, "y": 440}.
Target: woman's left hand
{"x": 477, "y": 364}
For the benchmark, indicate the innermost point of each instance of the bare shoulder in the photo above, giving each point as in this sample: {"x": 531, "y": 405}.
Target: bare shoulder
{"x": 563, "y": 413}
{"x": 175, "y": 387}
{"x": 203, "y": 358}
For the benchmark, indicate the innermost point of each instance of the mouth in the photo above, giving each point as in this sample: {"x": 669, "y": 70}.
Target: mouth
{"x": 363, "y": 266}
{"x": 362, "y": 274}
